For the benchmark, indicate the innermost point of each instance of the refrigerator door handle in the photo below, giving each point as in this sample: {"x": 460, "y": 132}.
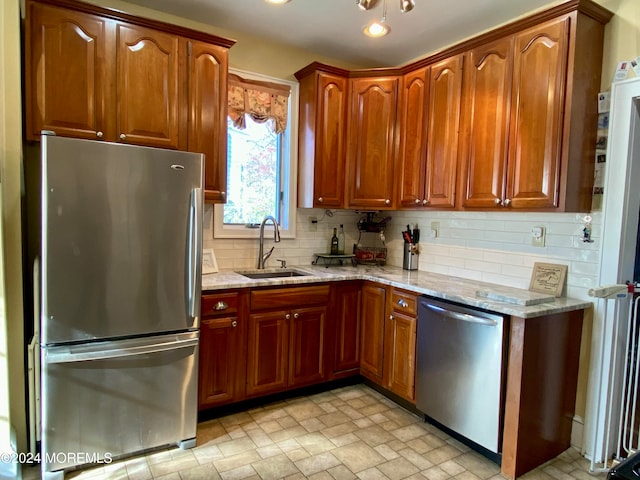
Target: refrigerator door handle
{"x": 195, "y": 248}
{"x": 69, "y": 356}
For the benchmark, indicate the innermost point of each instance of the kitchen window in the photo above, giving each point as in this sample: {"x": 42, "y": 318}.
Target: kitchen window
{"x": 261, "y": 162}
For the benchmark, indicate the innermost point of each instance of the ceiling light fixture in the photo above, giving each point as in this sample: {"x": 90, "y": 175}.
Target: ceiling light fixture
{"x": 407, "y": 5}
{"x": 277, "y": 2}
{"x": 377, "y": 28}
{"x": 366, "y": 4}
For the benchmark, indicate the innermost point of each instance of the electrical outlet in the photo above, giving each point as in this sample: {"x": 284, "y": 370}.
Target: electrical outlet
{"x": 435, "y": 229}
{"x": 314, "y": 224}
{"x": 538, "y": 236}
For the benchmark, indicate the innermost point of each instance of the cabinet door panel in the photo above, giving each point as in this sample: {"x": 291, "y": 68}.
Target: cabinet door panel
{"x": 445, "y": 90}
{"x": 540, "y": 73}
{"x": 306, "y": 364}
{"x": 208, "y": 65}
{"x": 413, "y": 146}
{"x": 372, "y": 142}
{"x": 219, "y": 368}
{"x": 372, "y": 349}
{"x": 67, "y": 82}
{"x": 347, "y": 328}
{"x": 487, "y": 105}
{"x": 330, "y": 151}
{"x": 400, "y": 354}
{"x": 149, "y": 87}
{"x": 268, "y": 352}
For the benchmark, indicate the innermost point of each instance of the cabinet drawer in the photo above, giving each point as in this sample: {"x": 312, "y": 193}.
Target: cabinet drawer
{"x": 217, "y": 304}
{"x": 404, "y": 302}
{"x": 289, "y": 297}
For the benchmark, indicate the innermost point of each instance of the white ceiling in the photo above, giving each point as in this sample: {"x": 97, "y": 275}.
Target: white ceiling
{"x": 333, "y": 28}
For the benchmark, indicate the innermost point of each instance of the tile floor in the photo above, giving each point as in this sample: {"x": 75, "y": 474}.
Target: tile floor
{"x": 347, "y": 433}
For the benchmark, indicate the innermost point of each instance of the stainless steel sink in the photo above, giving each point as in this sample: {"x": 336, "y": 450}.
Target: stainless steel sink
{"x": 273, "y": 274}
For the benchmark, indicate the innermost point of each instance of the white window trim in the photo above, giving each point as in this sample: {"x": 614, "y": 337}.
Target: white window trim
{"x": 220, "y": 230}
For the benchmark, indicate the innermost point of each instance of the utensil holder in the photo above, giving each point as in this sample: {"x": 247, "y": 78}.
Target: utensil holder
{"x": 410, "y": 259}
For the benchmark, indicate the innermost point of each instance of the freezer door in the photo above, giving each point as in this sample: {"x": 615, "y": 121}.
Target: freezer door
{"x": 108, "y": 399}
{"x": 121, "y": 240}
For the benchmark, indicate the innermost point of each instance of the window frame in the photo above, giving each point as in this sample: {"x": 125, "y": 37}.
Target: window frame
{"x": 288, "y": 176}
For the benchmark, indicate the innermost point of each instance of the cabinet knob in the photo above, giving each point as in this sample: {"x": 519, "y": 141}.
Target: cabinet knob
{"x": 425, "y": 202}
{"x": 234, "y": 324}
{"x": 223, "y": 194}
{"x": 497, "y": 201}
{"x": 287, "y": 316}
{"x": 390, "y": 317}
{"x": 122, "y": 136}
{"x": 387, "y": 202}
{"x": 296, "y": 315}
{"x": 99, "y": 134}
{"x": 418, "y": 201}
{"x": 507, "y": 202}
{"x": 320, "y": 199}
{"x": 403, "y": 303}
{"x": 221, "y": 306}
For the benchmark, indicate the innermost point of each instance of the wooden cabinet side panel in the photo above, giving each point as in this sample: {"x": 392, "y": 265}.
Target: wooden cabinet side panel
{"x": 542, "y": 375}
{"x": 268, "y": 352}
{"x": 372, "y": 142}
{"x": 307, "y": 330}
{"x": 413, "y": 144}
{"x": 486, "y": 118}
{"x": 149, "y": 87}
{"x": 372, "y": 340}
{"x": 67, "y": 84}
{"x": 445, "y": 93}
{"x": 207, "y": 85}
{"x": 540, "y": 74}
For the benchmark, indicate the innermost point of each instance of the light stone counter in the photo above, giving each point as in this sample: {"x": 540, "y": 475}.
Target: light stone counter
{"x": 497, "y": 298}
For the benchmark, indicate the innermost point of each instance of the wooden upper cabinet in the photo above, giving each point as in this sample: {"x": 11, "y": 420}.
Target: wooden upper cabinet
{"x": 445, "y": 90}
{"x": 539, "y": 89}
{"x": 150, "y": 88}
{"x": 372, "y": 145}
{"x": 68, "y": 49}
{"x": 324, "y": 99}
{"x": 487, "y": 97}
{"x": 412, "y": 168}
{"x": 207, "y": 86}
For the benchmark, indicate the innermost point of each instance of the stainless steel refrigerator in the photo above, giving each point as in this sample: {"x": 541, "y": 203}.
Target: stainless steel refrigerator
{"x": 120, "y": 300}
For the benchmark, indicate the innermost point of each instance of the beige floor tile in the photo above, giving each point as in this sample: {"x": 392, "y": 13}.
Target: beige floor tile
{"x": 315, "y": 443}
{"x": 240, "y": 473}
{"x": 345, "y": 439}
{"x": 138, "y": 469}
{"x": 358, "y": 456}
{"x": 338, "y": 430}
{"x": 304, "y": 411}
{"x": 340, "y": 472}
{"x": 555, "y": 473}
{"x": 436, "y": 473}
{"x": 295, "y": 476}
{"x": 409, "y": 432}
{"x": 402, "y": 417}
{"x": 372, "y": 474}
{"x": 466, "y": 475}
{"x": 270, "y": 426}
{"x": 158, "y": 469}
{"x": 169, "y": 476}
{"x": 275, "y": 467}
{"x": 419, "y": 445}
{"x": 233, "y": 447}
{"x": 364, "y": 422}
{"x": 269, "y": 451}
{"x": 398, "y": 468}
{"x": 328, "y": 407}
{"x": 451, "y": 467}
{"x": 287, "y": 433}
{"x": 374, "y": 435}
{"x": 201, "y": 472}
{"x": 207, "y": 454}
{"x": 374, "y": 408}
{"x": 317, "y": 463}
{"x": 269, "y": 415}
{"x": 321, "y": 476}
{"x": 479, "y": 465}
{"x": 297, "y": 454}
{"x": 416, "y": 458}
{"x": 229, "y": 463}
{"x": 387, "y": 452}
{"x": 260, "y": 438}
{"x": 334, "y": 418}
{"x": 288, "y": 422}
{"x": 378, "y": 418}
{"x": 535, "y": 475}
{"x": 442, "y": 454}
{"x": 312, "y": 425}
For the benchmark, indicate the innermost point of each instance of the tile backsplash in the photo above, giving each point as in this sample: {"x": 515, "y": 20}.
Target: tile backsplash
{"x": 493, "y": 247}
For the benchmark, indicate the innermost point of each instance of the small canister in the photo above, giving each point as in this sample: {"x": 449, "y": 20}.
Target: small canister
{"x": 410, "y": 260}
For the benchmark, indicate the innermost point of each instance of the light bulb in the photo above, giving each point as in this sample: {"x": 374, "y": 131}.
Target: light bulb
{"x": 376, "y": 29}
{"x": 277, "y": 2}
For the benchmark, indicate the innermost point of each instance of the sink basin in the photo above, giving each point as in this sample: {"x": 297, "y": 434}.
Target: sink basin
{"x": 273, "y": 274}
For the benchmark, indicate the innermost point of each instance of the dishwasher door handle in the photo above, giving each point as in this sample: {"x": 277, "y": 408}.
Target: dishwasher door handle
{"x": 464, "y": 317}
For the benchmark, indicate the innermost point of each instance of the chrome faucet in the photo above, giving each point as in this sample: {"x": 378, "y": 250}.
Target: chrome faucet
{"x": 262, "y": 257}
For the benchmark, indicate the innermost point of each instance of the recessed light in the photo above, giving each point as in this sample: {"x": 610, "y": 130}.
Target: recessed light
{"x": 277, "y": 2}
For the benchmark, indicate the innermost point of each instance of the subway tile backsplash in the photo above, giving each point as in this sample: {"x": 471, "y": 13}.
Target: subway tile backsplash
{"x": 486, "y": 246}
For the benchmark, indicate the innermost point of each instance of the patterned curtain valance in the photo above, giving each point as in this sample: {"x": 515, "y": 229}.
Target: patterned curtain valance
{"x": 260, "y": 100}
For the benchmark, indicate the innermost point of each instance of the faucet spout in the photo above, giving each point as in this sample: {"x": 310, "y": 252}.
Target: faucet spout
{"x": 262, "y": 257}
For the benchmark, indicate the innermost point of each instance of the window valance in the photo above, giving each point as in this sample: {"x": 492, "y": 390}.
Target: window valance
{"x": 261, "y": 100}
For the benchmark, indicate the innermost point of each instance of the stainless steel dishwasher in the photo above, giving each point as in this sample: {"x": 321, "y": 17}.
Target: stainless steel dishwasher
{"x": 460, "y": 367}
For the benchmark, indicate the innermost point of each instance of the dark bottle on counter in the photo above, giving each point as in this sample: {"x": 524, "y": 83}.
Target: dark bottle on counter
{"x": 334, "y": 242}
{"x": 341, "y": 241}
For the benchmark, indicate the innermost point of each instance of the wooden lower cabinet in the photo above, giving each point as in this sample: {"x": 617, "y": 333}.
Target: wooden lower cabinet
{"x": 346, "y": 329}
{"x": 286, "y": 342}
{"x": 372, "y": 347}
{"x": 222, "y": 354}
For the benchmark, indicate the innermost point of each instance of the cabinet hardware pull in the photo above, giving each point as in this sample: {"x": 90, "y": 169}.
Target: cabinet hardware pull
{"x": 417, "y": 201}
{"x": 296, "y": 315}
{"x": 403, "y": 303}
{"x": 320, "y": 199}
{"x": 99, "y": 134}
{"x": 390, "y": 317}
{"x": 498, "y": 201}
{"x": 425, "y": 202}
{"x": 234, "y": 324}
{"x": 221, "y": 306}
{"x": 387, "y": 202}
{"x": 122, "y": 136}
{"x": 223, "y": 194}
{"x": 507, "y": 202}
{"x": 287, "y": 316}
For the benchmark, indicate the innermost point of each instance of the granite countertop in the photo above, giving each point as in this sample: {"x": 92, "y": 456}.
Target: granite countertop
{"x": 497, "y": 298}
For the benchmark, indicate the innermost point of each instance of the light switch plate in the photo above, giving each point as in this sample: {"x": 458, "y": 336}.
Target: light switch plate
{"x": 538, "y": 236}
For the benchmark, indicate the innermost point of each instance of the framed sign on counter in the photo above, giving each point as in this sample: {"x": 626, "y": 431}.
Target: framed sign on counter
{"x": 548, "y": 278}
